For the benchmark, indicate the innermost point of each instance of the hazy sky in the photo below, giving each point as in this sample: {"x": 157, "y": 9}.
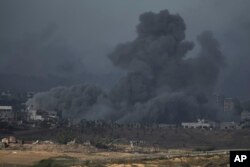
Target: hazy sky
{"x": 92, "y": 28}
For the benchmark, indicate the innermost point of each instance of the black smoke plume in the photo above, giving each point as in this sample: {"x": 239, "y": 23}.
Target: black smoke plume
{"x": 162, "y": 84}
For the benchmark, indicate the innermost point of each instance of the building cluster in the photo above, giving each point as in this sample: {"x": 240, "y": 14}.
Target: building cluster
{"x": 13, "y": 141}
{"x": 31, "y": 117}
{"x": 201, "y": 123}
{"x": 41, "y": 115}
{"x": 204, "y": 124}
{"x": 28, "y": 115}
{"x": 15, "y": 112}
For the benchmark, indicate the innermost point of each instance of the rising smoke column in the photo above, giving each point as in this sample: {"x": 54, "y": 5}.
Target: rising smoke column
{"x": 161, "y": 85}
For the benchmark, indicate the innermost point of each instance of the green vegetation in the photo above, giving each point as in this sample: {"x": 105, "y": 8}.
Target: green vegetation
{"x": 49, "y": 163}
{"x": 62, "y": 161}
{"x": 102, "y": 143}
{"x": 204, "y": 149}
{"x": 67, "y": 161}
{"x": 12, "y": 165}
{"x": 64, "y": 136}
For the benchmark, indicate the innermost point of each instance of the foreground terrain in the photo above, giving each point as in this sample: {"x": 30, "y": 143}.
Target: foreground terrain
{"x": 111, "y": 147}
{"x": 171, "y": 158}
{"x": 157, "y": 137}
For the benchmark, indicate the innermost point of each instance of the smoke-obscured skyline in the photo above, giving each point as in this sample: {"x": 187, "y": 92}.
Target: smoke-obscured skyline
{"x": 82, "y": 33}
{"x": 162, "y": 84}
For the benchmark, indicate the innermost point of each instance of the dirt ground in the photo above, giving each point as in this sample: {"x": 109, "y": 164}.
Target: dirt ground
{"x": 24, "y": 157}
{"x": 119, "y": 159}
{"x": 30, "y": 157}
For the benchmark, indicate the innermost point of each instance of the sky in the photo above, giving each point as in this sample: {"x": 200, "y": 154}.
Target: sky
{"x": 84, "y": 32}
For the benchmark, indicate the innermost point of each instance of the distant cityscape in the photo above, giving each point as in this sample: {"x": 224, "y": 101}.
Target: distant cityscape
{"x": 15, "y": 113}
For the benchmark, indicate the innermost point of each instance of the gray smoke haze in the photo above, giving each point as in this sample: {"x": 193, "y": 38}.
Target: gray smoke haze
{"x": 236, "y": 79}
{"x": 75, "y": 102}
{"x": 161, "y": 84}
{"x": 39, "y": 54}
{"x": 90, "y": 29}
{"x": 39, "y": 59}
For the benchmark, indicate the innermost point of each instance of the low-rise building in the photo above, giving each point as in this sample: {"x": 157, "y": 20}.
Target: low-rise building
{"x": 201, "y": 123}
{"x": 50, "y": 118}
{"x": 229, "y": 125}
{"x": 166, "y": 126}
{"x": 245, "y": 116}
{"x": 6, "y": 113}
{"x": 34, "y": 115}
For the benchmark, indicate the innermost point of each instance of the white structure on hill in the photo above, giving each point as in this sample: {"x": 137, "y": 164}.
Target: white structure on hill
{"x": 201, "y": 123}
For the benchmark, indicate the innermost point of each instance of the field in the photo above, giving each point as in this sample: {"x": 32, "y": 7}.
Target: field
{"x": 181, "y": 158}
{"x": 110, "y": 147}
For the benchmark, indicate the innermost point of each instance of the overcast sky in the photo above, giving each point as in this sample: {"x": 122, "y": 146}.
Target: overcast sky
{"x": 92, "y": 28}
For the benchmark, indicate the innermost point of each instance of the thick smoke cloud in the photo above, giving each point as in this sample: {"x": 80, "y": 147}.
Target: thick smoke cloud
{"x": 162, "y": 84}
{"x": 76, "y": 102}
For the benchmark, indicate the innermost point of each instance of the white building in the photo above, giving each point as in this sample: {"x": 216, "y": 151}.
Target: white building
{"x": 6, "y": 113}
{"x": 245, "y": 116}
{"x": 41, "y": 115}
{"x": 201, "y": 123}
{"x": 33, "y": 114}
